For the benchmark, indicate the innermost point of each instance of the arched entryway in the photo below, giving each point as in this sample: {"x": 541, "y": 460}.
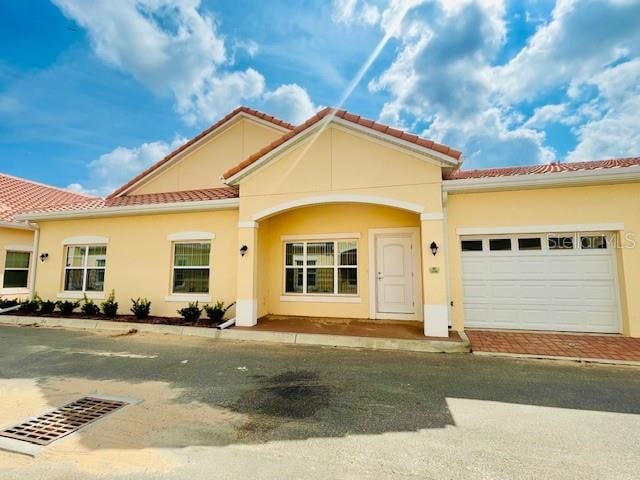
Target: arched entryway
{"x": 346, "y": 260}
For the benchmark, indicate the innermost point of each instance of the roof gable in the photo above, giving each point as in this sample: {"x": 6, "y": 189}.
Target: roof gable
{"x": 179, "y": 153}
{"x": 443, "y": 153}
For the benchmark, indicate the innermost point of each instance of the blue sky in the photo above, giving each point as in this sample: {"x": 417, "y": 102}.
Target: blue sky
{"x": 93, "y": 92}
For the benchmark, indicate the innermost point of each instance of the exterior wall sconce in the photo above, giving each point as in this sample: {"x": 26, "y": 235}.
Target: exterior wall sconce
{"x": 434, "y": 248}
{"x": 243, "y": 250}
{"x": 44, "y": 256}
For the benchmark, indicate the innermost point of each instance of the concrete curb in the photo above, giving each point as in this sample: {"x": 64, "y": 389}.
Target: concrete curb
{"x": 19, "y": 446}
{"x": 603, "y": 361}
{"x": 371, "y": 343}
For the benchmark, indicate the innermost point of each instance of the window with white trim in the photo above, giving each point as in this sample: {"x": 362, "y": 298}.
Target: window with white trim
{"x": 16, "y": 269}
{"x": 328, "y": 267}
{"x": 85, "y": 267}
{"x": 191, "y": 267}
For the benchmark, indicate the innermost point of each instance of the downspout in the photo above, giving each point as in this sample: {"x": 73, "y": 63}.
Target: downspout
{"x": 228, "y": 323}
{"x": 34, "y": 259}
{"x": 447, "y": 273}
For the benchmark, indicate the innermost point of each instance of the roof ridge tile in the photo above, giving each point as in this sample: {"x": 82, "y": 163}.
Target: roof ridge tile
{"x": 545, "y": 168}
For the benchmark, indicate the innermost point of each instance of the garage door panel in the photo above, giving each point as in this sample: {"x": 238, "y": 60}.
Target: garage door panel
{"x": 582, "y": 293}
{"x": 572, "y": 290}
{"x": 476, "y": 266}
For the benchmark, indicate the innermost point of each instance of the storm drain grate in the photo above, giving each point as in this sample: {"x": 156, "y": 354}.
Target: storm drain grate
{"x": 70, "y": 418}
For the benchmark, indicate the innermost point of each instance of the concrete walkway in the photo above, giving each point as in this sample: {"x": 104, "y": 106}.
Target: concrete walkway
{"x": 459, "y": 345}
{"x": 585, "y": 347}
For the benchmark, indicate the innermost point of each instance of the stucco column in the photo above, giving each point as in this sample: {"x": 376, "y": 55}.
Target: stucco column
{"x": 247, "y": 291}
{"x": 434, "y": 284}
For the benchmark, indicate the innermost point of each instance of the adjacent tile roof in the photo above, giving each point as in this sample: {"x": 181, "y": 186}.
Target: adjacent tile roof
{"x": 219, "y": 123}
{"x": 144, "y": 199}
{"x": 17, "y": 194}
{"x": 542, "y": 169}
{"x": 350, "y": 117}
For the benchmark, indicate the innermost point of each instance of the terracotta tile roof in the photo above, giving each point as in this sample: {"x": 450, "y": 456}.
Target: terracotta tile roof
{"x": 144, "y": 199}
{"x": 542, "y": 169}
{"x": 350, "y": 117}
{"x": 17, "y": 194}
{"x": 246, "y": 110}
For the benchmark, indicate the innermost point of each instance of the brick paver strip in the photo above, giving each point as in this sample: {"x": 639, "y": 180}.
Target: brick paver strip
{"x": 608, "y": 347}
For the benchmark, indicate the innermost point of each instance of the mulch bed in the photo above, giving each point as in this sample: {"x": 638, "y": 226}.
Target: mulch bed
{"x": 202, "y": 323}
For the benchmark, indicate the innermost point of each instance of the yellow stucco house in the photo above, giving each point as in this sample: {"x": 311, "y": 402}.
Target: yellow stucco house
{"x": 343, "y": 217}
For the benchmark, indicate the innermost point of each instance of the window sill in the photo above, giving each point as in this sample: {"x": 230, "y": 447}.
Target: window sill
{"x": 321, "y": 298}
{"x": 188, "y": 297}
{"x": 15, "y": 291}
{"x": 74, "y": 295}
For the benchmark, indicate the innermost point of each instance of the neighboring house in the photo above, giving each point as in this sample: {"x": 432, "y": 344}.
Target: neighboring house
{"x": 17, "y": 238}
{"x": 344, "y": 217}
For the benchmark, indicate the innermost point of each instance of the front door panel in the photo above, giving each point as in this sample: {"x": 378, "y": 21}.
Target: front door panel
{"x": 394, "y": 274}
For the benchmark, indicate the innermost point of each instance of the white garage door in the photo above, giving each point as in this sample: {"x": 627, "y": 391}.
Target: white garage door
{"x": 541, "y": 282}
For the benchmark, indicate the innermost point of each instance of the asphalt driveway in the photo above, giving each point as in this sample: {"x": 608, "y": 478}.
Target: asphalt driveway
{"x": 247, "y": 410}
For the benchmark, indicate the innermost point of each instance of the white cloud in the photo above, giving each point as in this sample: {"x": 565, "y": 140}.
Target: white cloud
{"x": 370, "y": 14}
{"x": 590, "y": 50}
{"x": 546, "y": 114}
{"x": 173, "y": 48}
{"x": 579, "y": 41}
{"x": 613, "y": 130}
{"x": 355, "y": 11}
{"x": 290, "y": 102}
{"x": 444, "y": 77}
{"x": 343, "y": 10}
{"x": 110, "y": 170}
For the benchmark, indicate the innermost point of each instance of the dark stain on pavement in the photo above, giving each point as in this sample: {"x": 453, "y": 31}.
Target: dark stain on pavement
{"x": 294, "y": 395}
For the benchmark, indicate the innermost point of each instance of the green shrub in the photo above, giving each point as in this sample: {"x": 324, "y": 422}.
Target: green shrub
{"x": 89, "y": 308}
{"x": 47, "y": 306}
{"x": 141, "y": 307}
{"x": 8, "y": 303}
{"x": 29, "y": 306}
{"x": 191, "y": 313}
{"x": 67, "y": 307}
{"x": 216, "y": 313}
{"x": 110, "y": 306}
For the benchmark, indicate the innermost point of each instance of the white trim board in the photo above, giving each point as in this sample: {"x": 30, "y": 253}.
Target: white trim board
{"x": 77, "y": 295}
{"x": 598, "y": 227}
{"x": 22, "y": 247}
{"x": 17, "y": 225}
{"x": 248, "y": 224}
{"x": 337, "y": 198}
{"x": 188, "y": 297}
{"x": 86, "y": 240}
{"x": 190, "y": 235}
{"x": 543, "y": 180}
{"x": 431, "y": 216}
{"x": 307, "y": 298}
{"x": 321, "y": 236}
{"x": 177, "y": 207}
{"x": 15, "y": 291}
{"x": 432, "y": 156}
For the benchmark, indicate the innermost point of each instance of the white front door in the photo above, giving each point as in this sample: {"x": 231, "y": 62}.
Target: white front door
{"x": 394, "y": 274}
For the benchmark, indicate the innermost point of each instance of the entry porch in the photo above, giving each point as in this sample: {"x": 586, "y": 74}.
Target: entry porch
{"x": 357, "y": 327}
{"x": 346, "y": 264}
